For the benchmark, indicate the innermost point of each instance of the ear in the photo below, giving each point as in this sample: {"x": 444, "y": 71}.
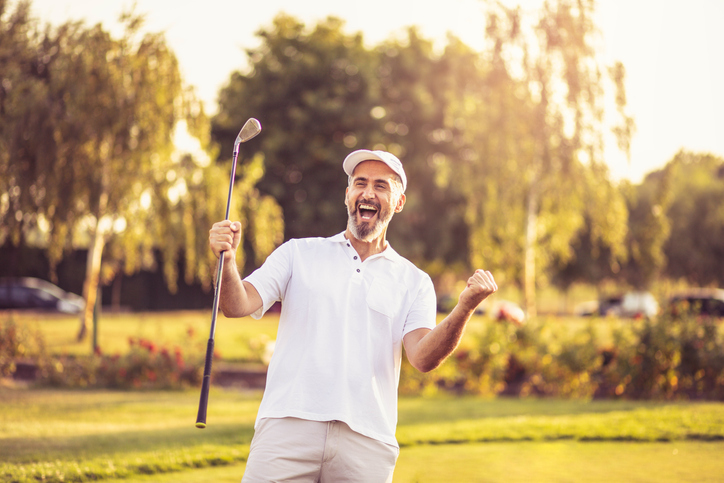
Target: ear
{"x": 400, "y": 203}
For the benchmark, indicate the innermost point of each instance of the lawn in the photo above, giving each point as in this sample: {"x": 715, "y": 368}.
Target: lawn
{"x": 150, "y": 436}
{"x": 143, "y": 436}
{"x": 187, "y": 329}
{"x": 190, "y": 330}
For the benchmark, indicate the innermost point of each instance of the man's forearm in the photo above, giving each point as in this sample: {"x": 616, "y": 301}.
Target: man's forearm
{"x": 440, "y": 342}
{"x": 232, "y": 296}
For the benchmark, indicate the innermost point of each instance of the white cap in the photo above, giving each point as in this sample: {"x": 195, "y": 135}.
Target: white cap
{"x": 356, "y": 157}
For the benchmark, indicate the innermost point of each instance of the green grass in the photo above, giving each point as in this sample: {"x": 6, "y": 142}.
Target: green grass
{"x": 85, "y": 435}
{"x": 190, "y": 330}
{"x": 468, "y": 420}
{"x": 150, "y": 436}
{"x": 604, "y": 462}
{"x": 187, "y": 329}
{"x": 561, "y": 461}
{"x": 64, "y": 435}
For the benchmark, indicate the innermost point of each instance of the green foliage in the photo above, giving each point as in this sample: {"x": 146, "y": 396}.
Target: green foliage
{"x": 17, "y": 342}
{"x": 676, "y": 224}
{"x": 671, "y": 357}
{"x": 695, "y": 248}
{"x": 146, "y": 365}
{"x": 649, "y": 228}
{"x": 93, "y": 154}
{"x": 503, "y": 155}
{"x": 417, "y": 89}
{"x": 310, "y": 88}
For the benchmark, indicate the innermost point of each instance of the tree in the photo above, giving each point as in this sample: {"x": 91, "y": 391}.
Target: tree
{"x": 23, "y": 86}
{"x": 694, "y": 249}
{"x": 311, "y": 91}
{"x": 599, "y": 248}
{"x": 543, "y": 139}
{"x": 91, "y": 158}
{"x": 416, "y": 87}
{"x": 649, "y": 228}
{"x": 504, "y": 146}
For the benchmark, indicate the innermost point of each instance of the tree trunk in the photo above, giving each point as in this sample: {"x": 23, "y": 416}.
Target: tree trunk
{"x": 98, "y": 241}
{"x": 92, "y": 278}
{"x": 530, "y": 245}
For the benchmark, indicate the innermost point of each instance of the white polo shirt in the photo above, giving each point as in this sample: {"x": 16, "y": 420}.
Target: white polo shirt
{"x": 339, "y": 344}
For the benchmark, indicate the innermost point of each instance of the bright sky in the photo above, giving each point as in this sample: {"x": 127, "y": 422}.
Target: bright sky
{"x": 673, "y": 52}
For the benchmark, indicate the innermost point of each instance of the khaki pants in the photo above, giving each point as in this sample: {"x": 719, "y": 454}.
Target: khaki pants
{"x": 298, "y": 450}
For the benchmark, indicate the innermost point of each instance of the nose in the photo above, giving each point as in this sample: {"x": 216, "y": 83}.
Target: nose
{"x": 368, "y": 191}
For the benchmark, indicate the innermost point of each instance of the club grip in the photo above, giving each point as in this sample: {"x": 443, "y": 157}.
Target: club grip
{"x": 205, "y": 385}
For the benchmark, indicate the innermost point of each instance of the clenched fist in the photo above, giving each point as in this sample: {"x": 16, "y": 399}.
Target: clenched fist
{"x": 479, "y": 287}
{"x": 225, "y": 236}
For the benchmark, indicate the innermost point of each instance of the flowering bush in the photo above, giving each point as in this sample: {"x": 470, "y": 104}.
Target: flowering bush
{"x": 144, "y": 366}
{"x": 673, "y": 356}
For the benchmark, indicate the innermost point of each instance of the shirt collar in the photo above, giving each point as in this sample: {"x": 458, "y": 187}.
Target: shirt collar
{"x": 389, "y": 252}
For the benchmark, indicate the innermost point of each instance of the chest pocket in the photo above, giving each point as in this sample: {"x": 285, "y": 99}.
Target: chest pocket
{"x": 385, "y": 297}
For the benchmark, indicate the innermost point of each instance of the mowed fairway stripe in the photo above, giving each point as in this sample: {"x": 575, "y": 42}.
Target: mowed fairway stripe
{"x": 563, "y": 461}
{"x": 560, "y": 461}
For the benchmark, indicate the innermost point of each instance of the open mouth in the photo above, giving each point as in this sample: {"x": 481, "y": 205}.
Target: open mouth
{"x": 367, "y": 211}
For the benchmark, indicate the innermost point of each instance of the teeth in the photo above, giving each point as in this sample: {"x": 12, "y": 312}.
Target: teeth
{"x": 367, "y": 207}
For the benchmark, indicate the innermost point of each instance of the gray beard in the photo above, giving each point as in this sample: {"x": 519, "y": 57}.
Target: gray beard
{"x": 367, "y": 231}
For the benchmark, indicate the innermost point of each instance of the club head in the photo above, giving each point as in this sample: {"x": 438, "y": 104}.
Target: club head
{"x": 251, "y": 128}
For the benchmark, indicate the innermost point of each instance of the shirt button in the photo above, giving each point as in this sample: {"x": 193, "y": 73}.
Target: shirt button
{"x": 347, "y": 244}
{"x": 358, "y": 270}
{"x": 355, "y": 257}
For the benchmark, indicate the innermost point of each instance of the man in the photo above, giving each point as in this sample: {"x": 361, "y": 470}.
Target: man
{"x": 349, "y": 304}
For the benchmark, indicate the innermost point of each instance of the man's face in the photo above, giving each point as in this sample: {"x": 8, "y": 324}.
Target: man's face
{"x": 372, "y": 197}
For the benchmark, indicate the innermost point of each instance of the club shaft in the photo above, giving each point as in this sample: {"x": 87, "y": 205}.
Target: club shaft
{"x": 220, "y": 268}
{"x": 206, "y": 382}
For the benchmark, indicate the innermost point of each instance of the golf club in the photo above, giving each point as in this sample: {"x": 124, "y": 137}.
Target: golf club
{"x": 251, "y": 128}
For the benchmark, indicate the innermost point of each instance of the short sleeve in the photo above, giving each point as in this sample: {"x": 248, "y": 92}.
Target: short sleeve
{"x": 271, "y": 279}
{"x": 422, "y": 313}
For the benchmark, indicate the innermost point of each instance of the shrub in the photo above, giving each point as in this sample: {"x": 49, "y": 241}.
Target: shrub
{"x": 671, "y": 357}
{"x": 145, "y": 365}
{"x": 675, "y": 356}
{"x": 17, "y": 343}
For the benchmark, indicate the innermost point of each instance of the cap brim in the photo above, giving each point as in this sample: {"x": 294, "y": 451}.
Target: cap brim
{"x": 351, "y": 161}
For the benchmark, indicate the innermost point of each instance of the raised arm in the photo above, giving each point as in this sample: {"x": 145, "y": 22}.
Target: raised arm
{"x": 236, "y": 298}
{"x": 426, "y": 349}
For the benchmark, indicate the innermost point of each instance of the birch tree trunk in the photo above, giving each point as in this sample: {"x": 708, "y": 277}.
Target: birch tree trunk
{"x": 92, "y": 279}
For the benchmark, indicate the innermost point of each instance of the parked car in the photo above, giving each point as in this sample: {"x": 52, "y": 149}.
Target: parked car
{"x": 629, "y": 304}
{"x": 701, "y": 301}
{"x": 587, "y": 308}
{"x": 34, "y": 293}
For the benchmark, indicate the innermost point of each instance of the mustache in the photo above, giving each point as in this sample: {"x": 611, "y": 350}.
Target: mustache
{"x": 376, "y": 204}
